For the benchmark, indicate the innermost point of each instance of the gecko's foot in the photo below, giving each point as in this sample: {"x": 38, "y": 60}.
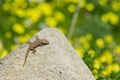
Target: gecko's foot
{"x": 33, "y": 52}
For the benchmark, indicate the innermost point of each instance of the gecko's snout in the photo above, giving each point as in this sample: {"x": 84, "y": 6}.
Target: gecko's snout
{"x": 44, "y": 41}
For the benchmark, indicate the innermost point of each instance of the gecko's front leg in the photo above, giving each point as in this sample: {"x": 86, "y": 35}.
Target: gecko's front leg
{"x": 33, "y": 49}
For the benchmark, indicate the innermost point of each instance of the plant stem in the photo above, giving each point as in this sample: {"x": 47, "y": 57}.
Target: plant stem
{"x": 74, "y": 20}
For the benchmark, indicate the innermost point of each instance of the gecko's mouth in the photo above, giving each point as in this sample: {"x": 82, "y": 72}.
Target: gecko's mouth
{"x": 45, "y": 43}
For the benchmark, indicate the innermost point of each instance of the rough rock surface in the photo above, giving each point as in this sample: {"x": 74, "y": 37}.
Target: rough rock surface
{"x": 56, "y": 61}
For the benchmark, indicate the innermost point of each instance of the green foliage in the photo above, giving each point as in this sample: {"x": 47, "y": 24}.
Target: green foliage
{"x": 95, "y": 38}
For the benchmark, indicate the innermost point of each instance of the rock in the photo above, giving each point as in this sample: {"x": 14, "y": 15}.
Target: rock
{"x": 55, "y": 61}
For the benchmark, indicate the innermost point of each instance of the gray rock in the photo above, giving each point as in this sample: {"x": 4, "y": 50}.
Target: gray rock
{"x": 56, "y": 61}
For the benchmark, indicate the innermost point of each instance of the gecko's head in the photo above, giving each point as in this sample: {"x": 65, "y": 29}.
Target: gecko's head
{"x": 44, "y": 41}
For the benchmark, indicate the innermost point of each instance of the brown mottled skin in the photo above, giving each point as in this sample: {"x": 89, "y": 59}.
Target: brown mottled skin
{"x": 33, "y": 45}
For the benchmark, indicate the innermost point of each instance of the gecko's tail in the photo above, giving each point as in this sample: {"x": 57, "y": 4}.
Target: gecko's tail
{"x": 25, "y": 58}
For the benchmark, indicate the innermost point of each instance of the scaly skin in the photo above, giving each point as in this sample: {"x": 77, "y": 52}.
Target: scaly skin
{"x": 33, "y": 45}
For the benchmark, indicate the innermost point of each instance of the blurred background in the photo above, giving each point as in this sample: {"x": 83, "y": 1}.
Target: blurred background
{"x": 92, "y": 27}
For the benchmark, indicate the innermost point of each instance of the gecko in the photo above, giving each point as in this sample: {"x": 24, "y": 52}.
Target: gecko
{"x": 33, "y": 45}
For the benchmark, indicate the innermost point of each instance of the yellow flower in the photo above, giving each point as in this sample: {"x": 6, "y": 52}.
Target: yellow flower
{"x": 33, "y": 14}
{"x": 80, "y": 52}
{"x": 95, "y": 71}
{"x": 108, "y": 56}
{"x": 6, "y": 6}
{"x": 103, "y": 2}
{"x": 90, "y": 7}
{"x": 97, "y": 64}
{"x": 109, "y": 68}
{"x": 71, "y": 8}
{"x": 14, "y": 47}
{"x": 91, "y": 53}
{"x": 108, "y": 39}
{"x": 83, "y": 39}
{"x": 74, "y": 1}
{"x": 20, "y": 13}
{"x": 24, "y": 38}
{"x": 20, "y": 3}
{"x": 4, "y": 53}
{"x": 86, "y": 45}
{"x": 117, "y": 49}
{"x": 110, "y": 16}
{"x": 96, "y": 76}
{"x": 69, "y": 1}
{"x": 113, "y": 18}
{"x": 89, "y": 37}
{"x": 106, "y": 72}
{"x": 100, "y": 43}
{"x": 115, "y": 5}
{"x": 115, "y": 67}
{"x": 82, "y": 3}
{"x": 18, "y": 28}
{"x": 105, "y": 18}
{"x": 59, "y": 16}
{"x": 52, "y": 22}
{"x": 102, "y": 59}
{"x": 45, "y": 9}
